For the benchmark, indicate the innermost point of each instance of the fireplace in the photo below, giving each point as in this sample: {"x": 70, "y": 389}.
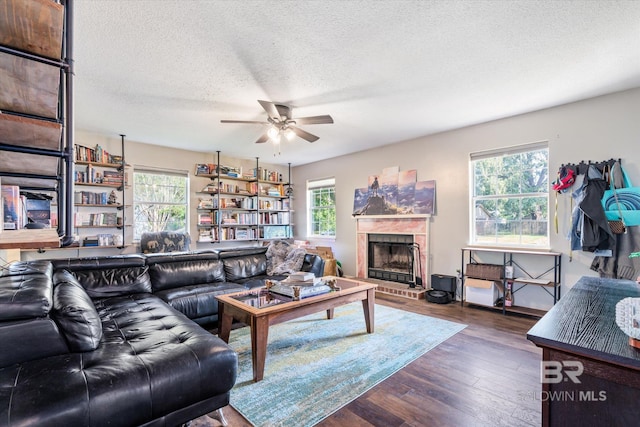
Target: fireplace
{"x": 391, "y": 257}
{"x": 415, "y": 226}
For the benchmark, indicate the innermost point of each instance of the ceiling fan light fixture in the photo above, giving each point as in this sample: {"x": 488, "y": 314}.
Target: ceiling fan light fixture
{"x": 273, "y": 133}
{"x": 281, "y": 124}
{"x": 289, "y": 134}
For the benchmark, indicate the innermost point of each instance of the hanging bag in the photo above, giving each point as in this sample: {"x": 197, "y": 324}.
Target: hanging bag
{"x": 622, "y": 204}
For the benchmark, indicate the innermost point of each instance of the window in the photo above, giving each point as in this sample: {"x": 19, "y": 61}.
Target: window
{"x": 510, "y": 196}
{"x": 321, "y": 202}
{"x": 159, "y": 201}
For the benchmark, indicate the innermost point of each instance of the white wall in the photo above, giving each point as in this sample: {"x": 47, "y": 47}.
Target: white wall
{"x": 596, "y": 129}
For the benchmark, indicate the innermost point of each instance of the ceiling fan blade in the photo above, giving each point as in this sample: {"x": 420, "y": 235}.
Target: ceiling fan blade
{"x": 271, "y": 110}
{"x": 263, "y": 138}
{"x": 315, "y": 120}
{"x": 284, "y": 111}
{"x": 243, "y": 121}
{"x": 304, "y": 134}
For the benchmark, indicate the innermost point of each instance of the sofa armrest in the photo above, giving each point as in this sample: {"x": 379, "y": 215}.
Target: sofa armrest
{"x": 25, "y": 340}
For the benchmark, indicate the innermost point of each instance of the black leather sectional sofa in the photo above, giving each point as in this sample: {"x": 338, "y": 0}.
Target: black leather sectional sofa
{"x": 113, "y": 341}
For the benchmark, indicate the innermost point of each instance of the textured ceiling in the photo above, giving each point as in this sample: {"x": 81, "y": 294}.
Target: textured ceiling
{"x": 166, "y": 72}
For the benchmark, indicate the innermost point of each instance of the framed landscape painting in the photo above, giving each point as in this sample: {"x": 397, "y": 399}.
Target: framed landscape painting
{"x": 425, "y": 197}
{"x": 406, "y": 191}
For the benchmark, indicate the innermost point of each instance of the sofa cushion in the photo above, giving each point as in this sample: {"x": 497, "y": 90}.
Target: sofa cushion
{"x": 25, "y": 296}
{"x": 199, "y": 300}
{"x": 239, "y": 268}
{"x": 27, "y": 267}
{"x": 184, "y": 269}
{"x": 30, "y": 339}
{"x": 75, "y": 314}
{"x": 99, "y": 263}
{"x": 114, "y": 281}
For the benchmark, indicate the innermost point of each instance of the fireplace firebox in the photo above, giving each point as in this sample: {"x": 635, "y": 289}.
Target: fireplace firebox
{"x": 391, "y": 257}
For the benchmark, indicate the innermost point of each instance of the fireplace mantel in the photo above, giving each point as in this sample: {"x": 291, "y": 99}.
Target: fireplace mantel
{"x": 414, "y": 224}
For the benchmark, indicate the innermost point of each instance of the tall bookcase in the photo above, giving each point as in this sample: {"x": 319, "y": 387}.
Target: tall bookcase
{"x": 99, "y": 197}
{"x": 239, "y": 205}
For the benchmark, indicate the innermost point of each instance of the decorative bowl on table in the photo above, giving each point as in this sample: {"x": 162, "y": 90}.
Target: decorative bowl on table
{"x": 628, "y": 319}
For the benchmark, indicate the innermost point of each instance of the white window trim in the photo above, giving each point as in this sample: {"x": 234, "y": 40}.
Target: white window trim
{"x": 175, "y": 172}
{"x": 510, "y": 150}
{"x": 312, "y": 185}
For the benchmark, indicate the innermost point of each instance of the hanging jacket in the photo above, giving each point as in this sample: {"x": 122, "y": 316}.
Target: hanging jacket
{"x": 575, "y": 234}
{"x": 596, "y": 233}
{"x": 621, "y": 266}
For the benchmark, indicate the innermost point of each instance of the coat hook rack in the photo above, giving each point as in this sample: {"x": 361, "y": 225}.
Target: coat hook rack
{"x": 582, "y": 167}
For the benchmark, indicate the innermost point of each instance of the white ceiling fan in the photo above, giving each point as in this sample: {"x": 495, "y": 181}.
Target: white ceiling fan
{"x": 281, "y": 123}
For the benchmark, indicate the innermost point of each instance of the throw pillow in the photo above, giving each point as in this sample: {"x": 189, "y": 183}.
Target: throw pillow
{"x": 276, "y": 254}
{"x": 292, "y": 263}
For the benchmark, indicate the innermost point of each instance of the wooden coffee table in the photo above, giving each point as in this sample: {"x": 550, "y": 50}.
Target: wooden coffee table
{"x": 260, "y": 309}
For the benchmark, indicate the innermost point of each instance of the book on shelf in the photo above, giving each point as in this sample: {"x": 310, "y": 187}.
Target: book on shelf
{"x": 11, "y": 203}
{"x": 204, "y": 219}
{"x": 210, "y": 188}
{"x": 95, "y": 154}
{"x": 242, "y": 234}
{"x": 205, "y": 235}
{"x": 205, "y": 204}
{"x": 110, "y": 218}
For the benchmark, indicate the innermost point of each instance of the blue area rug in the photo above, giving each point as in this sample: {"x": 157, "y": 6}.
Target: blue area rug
{"x": 315, "y": 366}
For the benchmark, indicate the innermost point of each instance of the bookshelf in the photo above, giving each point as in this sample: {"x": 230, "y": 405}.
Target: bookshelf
{"x": 98, "y": 197}
{"x": 238, "y": 205}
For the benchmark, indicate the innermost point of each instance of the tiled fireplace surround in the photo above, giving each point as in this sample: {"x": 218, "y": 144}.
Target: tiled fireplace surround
{"x": 416, "y": 225}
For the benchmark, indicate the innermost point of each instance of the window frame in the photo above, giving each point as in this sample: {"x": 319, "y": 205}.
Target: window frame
{"x": 165, "y": 172}
{"x": 314, "y": 185}
{"x": 474, "y": 199}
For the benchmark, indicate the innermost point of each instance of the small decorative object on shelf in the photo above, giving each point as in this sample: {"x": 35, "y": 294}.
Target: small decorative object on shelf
{"x": 628, "y": 319}
{"x": 113, "y": 199}
{"x": 508, "y": 296}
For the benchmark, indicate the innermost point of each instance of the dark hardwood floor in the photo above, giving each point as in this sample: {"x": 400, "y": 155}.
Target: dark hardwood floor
{"x": 486, "y": 375}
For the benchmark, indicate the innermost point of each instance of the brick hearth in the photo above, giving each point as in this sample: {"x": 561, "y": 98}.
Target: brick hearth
{"x": 398, "y": 289}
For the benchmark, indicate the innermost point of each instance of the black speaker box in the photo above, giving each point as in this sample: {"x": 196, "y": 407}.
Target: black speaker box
{"x": 441, "y": 282}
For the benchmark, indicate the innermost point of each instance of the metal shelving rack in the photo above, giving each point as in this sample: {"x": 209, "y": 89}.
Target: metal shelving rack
{"x": 548, "y": 279}
{"x": 37, "y": 133}
{"x": 257, "y": 227}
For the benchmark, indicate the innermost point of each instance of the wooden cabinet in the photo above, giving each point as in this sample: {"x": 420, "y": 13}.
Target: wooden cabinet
{"x": 239, "y": 206}
{"x": 518, "y": 262}
{"x": 590, "y": 375}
